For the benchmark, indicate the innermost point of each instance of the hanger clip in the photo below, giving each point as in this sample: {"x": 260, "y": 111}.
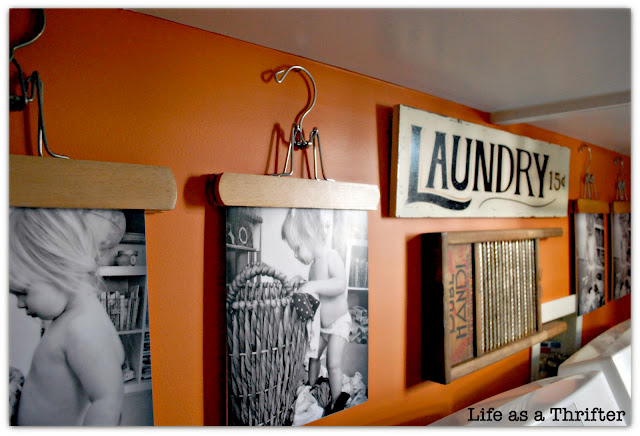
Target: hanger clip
{"x": 589, "y": 190}
{"x": 30, "y": 86}
{"x": 297, "y": 135}
{"x": 621, "y": 189}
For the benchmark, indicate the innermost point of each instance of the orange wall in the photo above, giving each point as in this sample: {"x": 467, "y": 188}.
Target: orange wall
{"x": 124, "y": 87}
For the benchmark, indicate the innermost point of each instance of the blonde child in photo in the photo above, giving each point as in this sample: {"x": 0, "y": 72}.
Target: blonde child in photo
{"x": 75, "y": 376}
{"x": 305, "y": 232}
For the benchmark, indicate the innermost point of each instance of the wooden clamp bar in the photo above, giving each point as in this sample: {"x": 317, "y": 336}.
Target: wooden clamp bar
{"x": 547, "y": 331}
{"x": 621, "y": 207}
{"x": 584, "y": 205}
{"x": 231, "y": 189}
{"x": 501, "y": 235}
{"x": 68, "y": 183}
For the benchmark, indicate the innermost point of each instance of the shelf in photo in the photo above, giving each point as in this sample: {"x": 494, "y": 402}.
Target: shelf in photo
{"x": 133, "y": 331}
{"x": 353, "y": 288}
{"x": 241, "y": 247}
{"x": 137, "y": 270}
{"x": 137, "y": 386}
{"x": 133, "y": 238}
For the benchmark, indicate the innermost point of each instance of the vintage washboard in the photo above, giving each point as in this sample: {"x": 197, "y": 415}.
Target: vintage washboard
{"x": 481, "y": 299}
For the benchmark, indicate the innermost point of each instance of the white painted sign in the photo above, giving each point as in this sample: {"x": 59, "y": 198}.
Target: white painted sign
{"x": 444, "y": 167}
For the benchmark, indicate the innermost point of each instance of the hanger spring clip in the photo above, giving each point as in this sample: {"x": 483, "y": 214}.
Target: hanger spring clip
{"x": 590, "y": 191}
{"x": 297, "y": 136}
{"x": 621, "y": 187}
{"x": 31, "y": 87}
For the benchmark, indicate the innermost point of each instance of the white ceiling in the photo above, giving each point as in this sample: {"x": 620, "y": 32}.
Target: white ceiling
{"x": 574, "y": 63}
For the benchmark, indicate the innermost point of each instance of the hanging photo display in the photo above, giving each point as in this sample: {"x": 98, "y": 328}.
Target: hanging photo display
{"x": 79, "y": 345}
{"x": 589, "y": 259}
{"x": 297, "y": 313}
{"x": 445, "y": 167}
{"x": 620, "y": 254}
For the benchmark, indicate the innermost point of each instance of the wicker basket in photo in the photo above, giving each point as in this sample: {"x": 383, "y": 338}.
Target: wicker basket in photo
{"x": 266, "y": 344}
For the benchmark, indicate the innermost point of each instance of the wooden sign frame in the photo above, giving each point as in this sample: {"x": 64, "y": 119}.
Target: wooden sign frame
{"x": 68, "y": 183}
{"x": 446, "y": 167}
{"x": 449, "y": 288}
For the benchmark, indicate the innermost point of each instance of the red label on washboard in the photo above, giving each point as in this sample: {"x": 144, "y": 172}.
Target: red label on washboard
{"x": 459, "y": 293}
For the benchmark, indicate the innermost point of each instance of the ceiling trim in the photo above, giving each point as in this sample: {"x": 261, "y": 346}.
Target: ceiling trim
{"x": 553, "y": 110}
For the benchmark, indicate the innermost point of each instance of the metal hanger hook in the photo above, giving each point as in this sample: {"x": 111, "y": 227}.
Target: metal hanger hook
{"x": 32, "y": 40}
{"x": 589, "y": 161}
{"x": 280, "y": 75}
{"x": 589, "y": 181}
{"x": 621, "y": 162}
{"x": 297, "y": 135}
{"x": 621, "y": 194}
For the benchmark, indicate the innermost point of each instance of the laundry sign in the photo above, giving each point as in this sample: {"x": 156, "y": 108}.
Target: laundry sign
{"x": 445, "y": 167}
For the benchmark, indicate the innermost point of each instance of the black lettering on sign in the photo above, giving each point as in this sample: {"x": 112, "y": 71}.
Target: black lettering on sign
{"x": 495, "y": 169}
{"x": 414, "y": 168}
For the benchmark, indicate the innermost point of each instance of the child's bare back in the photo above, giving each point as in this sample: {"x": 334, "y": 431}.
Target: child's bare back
{"x": 75, "y": 376}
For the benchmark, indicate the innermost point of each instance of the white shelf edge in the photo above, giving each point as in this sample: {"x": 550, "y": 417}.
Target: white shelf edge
{"x": 558, "y": 308}
{"x": 242, "y": 247}
{"x": 137, "y": 270}
{"x": 132, "y": 331}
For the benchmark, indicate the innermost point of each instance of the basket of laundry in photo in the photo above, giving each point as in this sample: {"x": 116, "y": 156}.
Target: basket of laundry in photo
{"x": 266, "y": 345}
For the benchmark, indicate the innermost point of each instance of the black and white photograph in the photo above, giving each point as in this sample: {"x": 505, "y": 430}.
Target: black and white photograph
{"x": 621, "y": 254}
{"x": 79, "y": 343}
{"x": 297, "y": 314}
{"x": 590, "y": 263}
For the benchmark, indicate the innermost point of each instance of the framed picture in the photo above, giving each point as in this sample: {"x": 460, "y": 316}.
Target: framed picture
{"x": 297, "y": 313}
{"x": 78, "y": 319}
{"x": 589, "y": 235}
{"x": 620, "y": 254}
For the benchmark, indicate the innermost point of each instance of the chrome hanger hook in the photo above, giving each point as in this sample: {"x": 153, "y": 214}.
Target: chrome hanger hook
{"x": 589, "y": 161}
{"x": 42, "y": 134}
{"x": 20, "y": 101}
{"x": 32, "y": 40}
{"x": 616, "y": 161}
{"x": 279, "y": 76}
{"x": 621, "y": 194}
{"x": 589, "y": 181}
{"x": 297, "y": 136}
{"x": 29, "y": 86}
